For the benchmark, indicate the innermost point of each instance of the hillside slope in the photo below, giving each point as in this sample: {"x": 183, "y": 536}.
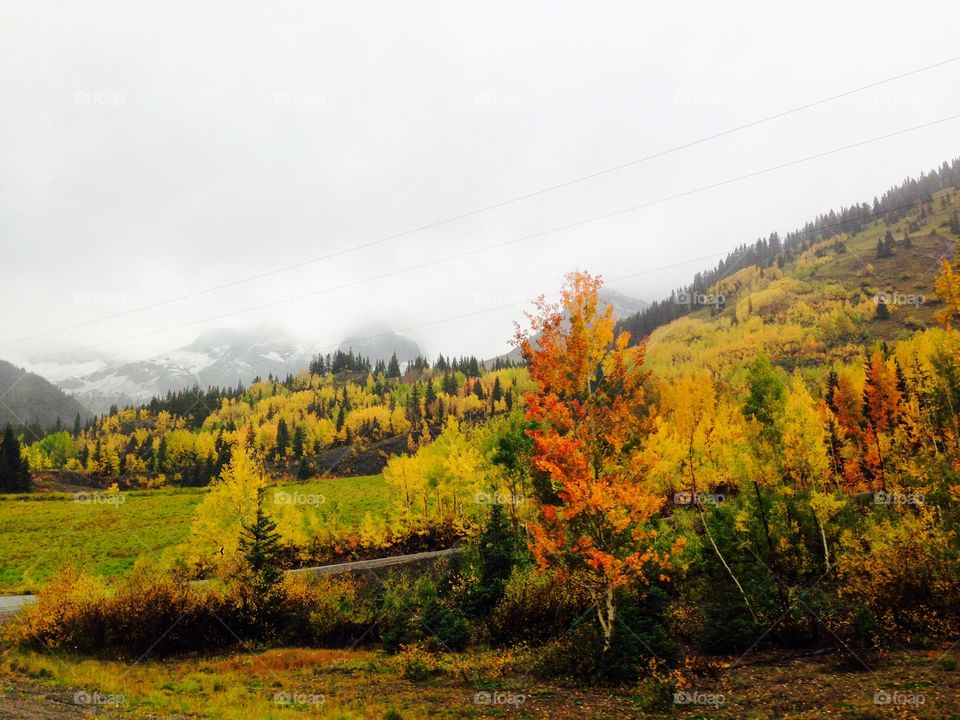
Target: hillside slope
{"x": 28, "y": 399}
{"x": 821, "y": 306}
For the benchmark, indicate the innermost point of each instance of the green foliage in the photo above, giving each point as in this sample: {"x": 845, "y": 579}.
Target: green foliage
{"x": 496, "y": 549}
{"x": 639, "y": 638}
{"x": 865, "y": 629}
{"x": 883, "y": 311}
{"x": 260, "y": 547}
{"x": 258, "y": 584}
{"x": 327, "y": 612}
{"x": 766, "y": 394}
{"x": 414, "y": 613}
{"x": 536, "y": 607}
{"x": 14, "y": 473}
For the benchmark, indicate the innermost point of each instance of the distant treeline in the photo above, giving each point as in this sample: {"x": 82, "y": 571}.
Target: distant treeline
{"x": 341, "y": 361}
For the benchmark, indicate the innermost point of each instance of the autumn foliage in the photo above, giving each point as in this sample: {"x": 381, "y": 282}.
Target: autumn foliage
{"x": 590, "y": 413}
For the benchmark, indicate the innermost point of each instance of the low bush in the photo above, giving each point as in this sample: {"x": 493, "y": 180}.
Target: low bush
{"x": 69, "y": 613}
{"x": 639, "y": 638}
{"x": 328, "y": 612}
{"x": 535, "y": 607}
{"x": 160, "y": 613}
{"x": 414, "y": 613}
{"x": 166, "y": 614}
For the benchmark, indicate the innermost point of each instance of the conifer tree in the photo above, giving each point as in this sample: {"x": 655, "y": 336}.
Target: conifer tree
{"x": 299, "y": 441}
{"x": 883, "y": 312}
{"x": 283, "y": 438}
{"x": 497, "y": 549}
{"x": 393, "y": 367}
{"x": 14, "y": 473}
{"x": 497, "y": 394}
{"x": 260, "y": 549}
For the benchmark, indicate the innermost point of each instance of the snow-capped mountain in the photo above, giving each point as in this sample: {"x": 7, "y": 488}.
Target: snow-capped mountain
{"x": 220, "y": 356}
{"x": 623, "y": 305}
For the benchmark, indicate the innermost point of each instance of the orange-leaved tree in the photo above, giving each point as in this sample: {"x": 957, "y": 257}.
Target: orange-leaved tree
{"x": 594, "y": 520}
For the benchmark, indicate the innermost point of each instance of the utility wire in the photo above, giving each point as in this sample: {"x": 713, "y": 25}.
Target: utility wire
{"x": 513, "y": 241}
{"x": 487, "y": 208}
{"x": 869, "y": 217}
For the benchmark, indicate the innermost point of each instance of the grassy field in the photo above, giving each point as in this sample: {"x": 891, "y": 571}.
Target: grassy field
{"x": 44, "y": 530}
{"x": 295, "y": 682}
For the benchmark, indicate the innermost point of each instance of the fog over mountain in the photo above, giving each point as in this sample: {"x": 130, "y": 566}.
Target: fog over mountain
{"x": 155, "y": 152}
{"x": 218, "y": 356}
{"x": 378, "y": 342}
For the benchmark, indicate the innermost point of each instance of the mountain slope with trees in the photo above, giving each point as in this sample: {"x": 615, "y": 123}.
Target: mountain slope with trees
{"x": 26, "y": 399}
{"x": 937, "y": 219}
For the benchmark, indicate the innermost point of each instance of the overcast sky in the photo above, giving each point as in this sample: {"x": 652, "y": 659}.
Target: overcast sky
{"x": 152, "y": 150}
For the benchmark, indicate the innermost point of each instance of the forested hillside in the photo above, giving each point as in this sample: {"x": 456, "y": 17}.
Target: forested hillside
{"x": 927, "y": 200}
{"x": 26, "y": 399}
{"x": 342, "y": 405}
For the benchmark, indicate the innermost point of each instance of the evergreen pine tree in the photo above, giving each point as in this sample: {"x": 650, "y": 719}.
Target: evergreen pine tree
{"x": 14, "y": 473}
{"x": 283, "y": 439}
{"x": 161, "y": 455}
{"x": 413, "y": 406}
{"x": 393, "y": 367}
{"x": 450, "y": 385}
{"x": 299, "y": 440}
{"x": 260, "y": 548}
{"x": 497, "y": 390}
{"x": 496, "y": 549}
{"x": 832, "y": 380}
{"x": 260, "y": 578}
{"x": 883, "y": 312}
{"x": 430, "y": 398}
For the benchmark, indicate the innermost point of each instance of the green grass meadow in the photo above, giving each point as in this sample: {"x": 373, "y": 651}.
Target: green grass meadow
{"x": 43, "y": 531}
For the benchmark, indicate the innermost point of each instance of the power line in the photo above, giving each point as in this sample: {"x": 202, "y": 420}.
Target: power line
{"x": 487, "y": 208}
{"x": 463, "y": 316}
{"x": 513, "y": 241}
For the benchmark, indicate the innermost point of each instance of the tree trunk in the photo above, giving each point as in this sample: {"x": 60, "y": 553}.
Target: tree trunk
{"x": 823, "y": 537}
{"x": 773, "y": 556}
{"x": 607, "y": 615}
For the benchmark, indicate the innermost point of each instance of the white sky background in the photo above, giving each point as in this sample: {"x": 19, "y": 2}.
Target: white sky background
{"x": 155, "y": 149}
